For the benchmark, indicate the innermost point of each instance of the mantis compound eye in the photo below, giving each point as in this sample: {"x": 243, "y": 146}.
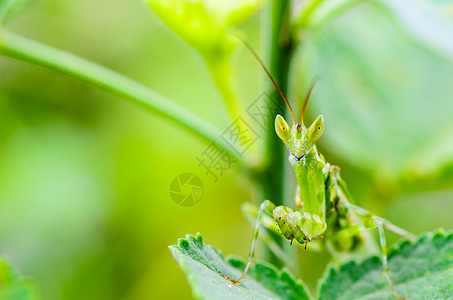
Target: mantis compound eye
{"x": 282, "y": 128}
{"x": 316, "y": 129}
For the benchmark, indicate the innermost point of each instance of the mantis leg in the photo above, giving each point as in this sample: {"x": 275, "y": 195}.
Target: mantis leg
{"x": 266, "y": 207}
{"x": 251, "y": 212}
{"x": 342, "y": 190}
{"x": 390, "y": 226}
{"x": 374, "y": 222}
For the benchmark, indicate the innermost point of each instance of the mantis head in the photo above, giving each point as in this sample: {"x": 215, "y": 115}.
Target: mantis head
{"x": 298, "y": 139}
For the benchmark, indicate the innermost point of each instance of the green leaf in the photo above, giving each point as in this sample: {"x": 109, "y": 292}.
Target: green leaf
{"x": 13, "y": 286}
{"x": 10, "y": 8}
{"x": 206, "y": 269}
{"x": 420, "y": 270}
{"x": 386, "y": 101}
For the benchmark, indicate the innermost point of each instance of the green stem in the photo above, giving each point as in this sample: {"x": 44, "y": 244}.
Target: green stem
{"x": 278, "y": 46}
{"x": 26, "y": 50}
{"x": 220, "y": 71}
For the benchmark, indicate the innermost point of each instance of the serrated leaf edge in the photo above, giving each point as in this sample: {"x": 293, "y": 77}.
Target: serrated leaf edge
{"x": 331, "y": 268}
{"x": 199, "y": 239}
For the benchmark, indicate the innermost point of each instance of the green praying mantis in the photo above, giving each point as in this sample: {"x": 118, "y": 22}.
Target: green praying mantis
{"x": 324, "y": 210}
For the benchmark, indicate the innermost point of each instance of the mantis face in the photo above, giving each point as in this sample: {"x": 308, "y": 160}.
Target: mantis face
{"x": 298, "y": 139}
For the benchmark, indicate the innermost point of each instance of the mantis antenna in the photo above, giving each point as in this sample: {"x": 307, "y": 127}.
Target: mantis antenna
{"x": 268, "y": 74}
{"x": 307, "y": 96}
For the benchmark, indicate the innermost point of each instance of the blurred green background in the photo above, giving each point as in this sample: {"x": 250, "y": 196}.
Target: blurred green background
{"x": 84, "y": 176}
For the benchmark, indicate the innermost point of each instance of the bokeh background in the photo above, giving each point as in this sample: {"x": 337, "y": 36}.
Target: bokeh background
{"x": 84, "y": 175}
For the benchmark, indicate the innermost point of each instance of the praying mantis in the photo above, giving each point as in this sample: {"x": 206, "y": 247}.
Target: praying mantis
{"x": 324, "y": 209}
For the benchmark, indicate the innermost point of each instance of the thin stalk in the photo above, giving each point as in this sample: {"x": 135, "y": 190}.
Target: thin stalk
{"x": 221, "y": 73}
{"x": 26, "y": 50}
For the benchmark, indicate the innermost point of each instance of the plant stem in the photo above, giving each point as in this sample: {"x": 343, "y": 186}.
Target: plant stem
{"x": 278, "y": 67}
{"x": 26, "y": 50}
{"x": 278, "y": 47}
{"x": 220, "y": 71}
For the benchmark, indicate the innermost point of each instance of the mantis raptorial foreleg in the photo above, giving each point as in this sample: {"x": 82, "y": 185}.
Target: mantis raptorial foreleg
{"x": 293, "y": 225}
{"x": 251, "y": 212}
